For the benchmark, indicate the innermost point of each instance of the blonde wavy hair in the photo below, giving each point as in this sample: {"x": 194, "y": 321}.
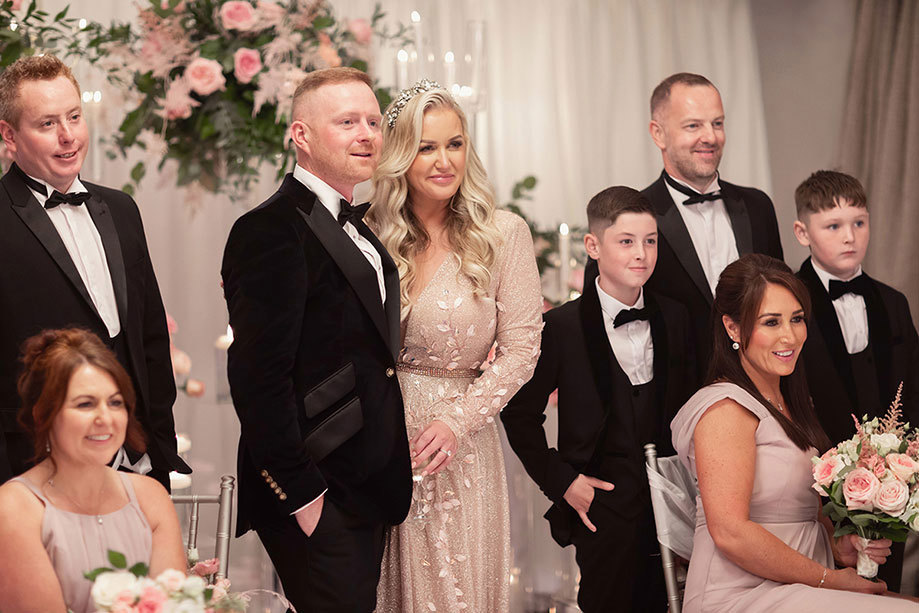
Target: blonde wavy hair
{"x": 471, "y": 228}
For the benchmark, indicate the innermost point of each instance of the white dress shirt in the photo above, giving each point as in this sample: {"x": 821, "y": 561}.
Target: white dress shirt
{"x": 331, "y": 200}
{"x": 75, "y": 226}
{"x": 850, "y": 311}
{"x": 710, "y": 230}
{"x": 631, "y": 342}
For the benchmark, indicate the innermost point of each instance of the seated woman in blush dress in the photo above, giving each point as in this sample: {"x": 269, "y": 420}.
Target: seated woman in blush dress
{"x": 761, "y": 542}
{"x": 59, "y": 518}
{"x": 468, "y": 280}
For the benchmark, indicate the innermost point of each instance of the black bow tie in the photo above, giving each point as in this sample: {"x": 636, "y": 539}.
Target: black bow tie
{"x": 56, "y": 198}
{"x": 858, "y": 285}
{"x": 351, "y": 213}
{"x": 629, "y": 315}
{"x": 694, "y": 196}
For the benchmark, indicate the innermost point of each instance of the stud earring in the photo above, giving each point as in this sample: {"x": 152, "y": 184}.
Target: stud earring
{"x": 48, "y": 447}
{"x": 735, "y": 345}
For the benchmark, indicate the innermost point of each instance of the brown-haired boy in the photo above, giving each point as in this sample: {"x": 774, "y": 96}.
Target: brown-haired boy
{"x": 622, "y": 362}
{"x": 861, "y": 339}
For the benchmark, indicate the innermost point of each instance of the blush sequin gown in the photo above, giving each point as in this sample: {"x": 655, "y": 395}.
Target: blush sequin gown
{"x": 457, "y": 557}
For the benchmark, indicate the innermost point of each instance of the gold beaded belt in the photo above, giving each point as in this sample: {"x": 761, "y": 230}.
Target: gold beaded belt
{"x": 432, "y": 371}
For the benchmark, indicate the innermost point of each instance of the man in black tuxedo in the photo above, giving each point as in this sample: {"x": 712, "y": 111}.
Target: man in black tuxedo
{"x": 74, "y": 254}
{"x": 705, "y": 223}
{"x": 861, "y": 341}
{"x": 623, "y": 363}
{"x": 313, "y": 299}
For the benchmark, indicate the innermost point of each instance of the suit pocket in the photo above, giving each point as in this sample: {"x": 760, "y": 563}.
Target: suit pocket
{"x": 329, "y": 391}
{"x": 334, "y": 430}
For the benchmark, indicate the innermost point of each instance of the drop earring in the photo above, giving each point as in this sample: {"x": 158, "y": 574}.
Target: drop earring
{"x": 735, "y": 345}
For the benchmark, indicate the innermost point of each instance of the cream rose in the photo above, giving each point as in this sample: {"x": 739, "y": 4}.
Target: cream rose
{"x": 892, "y": 497}
{"x": 902, "y": 465}
{"x": 171, "y": 579}
{"x": 859, "y": 489}
{"x": 110, "y": 585}
{"x": 239, "y": 16}
{"x": 826, "y": 470}
{"x": 193, "y": 586}
{"x": 885, "y": 443}
{"x": 247, "y": 63}
{"x": 205, "y": 76}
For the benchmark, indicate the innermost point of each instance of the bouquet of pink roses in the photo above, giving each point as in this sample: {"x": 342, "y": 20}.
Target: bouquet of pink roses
{"x": 871, "y": 483}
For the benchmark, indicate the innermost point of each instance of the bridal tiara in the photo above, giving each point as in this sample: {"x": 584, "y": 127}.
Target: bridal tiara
{"x": 406, "y": 95}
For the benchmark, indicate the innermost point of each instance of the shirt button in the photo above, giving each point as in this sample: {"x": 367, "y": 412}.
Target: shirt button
{"x": 390, "y": 372}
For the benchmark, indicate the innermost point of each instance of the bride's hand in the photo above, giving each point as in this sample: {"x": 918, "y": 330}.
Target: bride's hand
{"x": 847, "y": 579}
{"x": 436, "y": 441}
{"x": 847, "y": 552}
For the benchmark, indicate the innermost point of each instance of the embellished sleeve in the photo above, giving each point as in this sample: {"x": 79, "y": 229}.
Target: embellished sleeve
{"x": 518, "y": 325}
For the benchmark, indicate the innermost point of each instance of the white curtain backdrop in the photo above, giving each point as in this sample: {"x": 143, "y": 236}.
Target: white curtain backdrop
{"x": 568, "y": 84}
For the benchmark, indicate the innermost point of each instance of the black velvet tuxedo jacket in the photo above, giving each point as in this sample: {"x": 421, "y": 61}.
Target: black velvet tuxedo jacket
{"x": 576, "y": 358}
{"x": 312, "y": 365}
{"x": 895, "y": 347}
{"x": 40, "y": 288}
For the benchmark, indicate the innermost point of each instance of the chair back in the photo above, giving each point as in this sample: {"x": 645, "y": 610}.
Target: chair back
{"x": 224, "y": 502}
{"x": 673, "y": 499}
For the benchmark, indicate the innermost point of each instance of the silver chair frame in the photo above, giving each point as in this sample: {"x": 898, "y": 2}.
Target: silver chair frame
{"x": 673, "y": 589}
{"x": 224, "y": 502}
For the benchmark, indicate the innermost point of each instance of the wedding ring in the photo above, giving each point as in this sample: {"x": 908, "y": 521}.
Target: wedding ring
{"x": 446, "y": 451}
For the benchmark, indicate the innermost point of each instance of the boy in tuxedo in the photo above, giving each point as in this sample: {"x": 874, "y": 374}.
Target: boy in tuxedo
{"x": 623, "y": 365}
{"x": 861, "y": 341}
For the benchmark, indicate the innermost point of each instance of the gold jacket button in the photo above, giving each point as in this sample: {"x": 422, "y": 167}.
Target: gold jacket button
{"x": 265, "y": 473}
{"x": 390, "y": 372}
{"x": 283, "y": 496}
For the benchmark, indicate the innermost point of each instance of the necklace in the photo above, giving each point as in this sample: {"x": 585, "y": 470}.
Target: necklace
{"x": 80, "y": 507}
{"x": 778, "y": 405}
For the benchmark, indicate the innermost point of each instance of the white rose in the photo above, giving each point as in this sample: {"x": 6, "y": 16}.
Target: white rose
{"x": 193, "y": 586}
{"x": 914, "y": 522}
{"x": 171, "y": 580}
{"x": 885, "y": 443}
{"x": 109, "y": 585}
{"x": 849, "y": 449}
{"x": 183, "y": 606}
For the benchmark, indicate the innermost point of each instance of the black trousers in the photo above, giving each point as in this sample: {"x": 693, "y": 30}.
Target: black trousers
{"x": 620, "y": 563}
{"x": 336, "y": 569}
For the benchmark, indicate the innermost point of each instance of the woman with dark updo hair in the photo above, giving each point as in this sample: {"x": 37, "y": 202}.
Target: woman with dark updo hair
{"x": 60, "y": 518}
{"x": 761, "y": 542}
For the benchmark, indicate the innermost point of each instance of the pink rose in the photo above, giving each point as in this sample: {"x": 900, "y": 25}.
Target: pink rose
{"x": 206, "y": 567}
{"x": 825, "y": 471}
{"x": 271, "y": 13}
{"x": 859, "y": 489}
{"x": 151, "y": 600}
{"x": 892, "y": 497}
{"x": 247, "y": 64}
{"x": 236, "y": 15}
{"x": 328, "y": 53}
{"x": 194, "y": 388}
{"x": 902, "y": 465}
{"x": 361, "y": 30}
{"x": 16, "y": 5}
{"x": 205, "y": 76}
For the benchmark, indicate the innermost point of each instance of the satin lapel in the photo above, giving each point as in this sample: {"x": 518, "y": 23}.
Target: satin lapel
{"x": 34, "y": 216}
{"x": 879, "y": 335}
{"x": 105, "y": 225}
{"x": 828, "y": 323}
{"x": 740, "y": 222}
{"x": 658, "y": 338}
{"x": 598, "y": 349}
{"x": 342, "y": 250}
{"x": 391, "y": 282}
{"x": 671, "y": 226}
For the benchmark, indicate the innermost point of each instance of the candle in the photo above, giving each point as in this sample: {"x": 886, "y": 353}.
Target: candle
{"x": 564, "y": 254}
{"x": 449, "y": 69}
{"x": 402, "y": 69}
{"x": 222, "y": 387}
{"x": 416, "y": 26}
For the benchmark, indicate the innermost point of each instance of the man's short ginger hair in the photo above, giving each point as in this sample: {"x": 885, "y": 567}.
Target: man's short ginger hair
{"x": 32, "y": 68}
{"x": 329, "y": 76}
{"x": 828, "y": 189}
{"x": 661, "y": 93}
{"x": 605, "y": 208}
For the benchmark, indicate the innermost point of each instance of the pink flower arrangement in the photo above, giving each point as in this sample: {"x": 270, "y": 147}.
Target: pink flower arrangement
{"x": 247, "y": 63}
{"x": 238, "y": 15}
{"x": 361, "y": 30}
{"x": 871, "y": 481}
{"x": 205, "y": 76}
{"x": 327, "y": 52}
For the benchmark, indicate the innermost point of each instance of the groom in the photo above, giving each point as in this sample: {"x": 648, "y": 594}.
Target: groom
{"x": 313, "y": 299}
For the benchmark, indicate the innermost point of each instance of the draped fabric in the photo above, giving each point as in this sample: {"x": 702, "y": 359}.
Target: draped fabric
{"x": 879, "y": 136}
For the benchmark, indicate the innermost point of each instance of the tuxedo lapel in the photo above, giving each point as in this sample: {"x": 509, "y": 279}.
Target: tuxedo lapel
{"x": 879, "y": 335}
{"x": 352, "y": 263}
{"x": 391, "y": 283}
{"x": 740, "y": 221}
{"x": 33, "y": 215}
{"x": 670, "y": 224}
{"x": 828, "y": 323}
{"x": 598, "y": 349}
{"x": 105, "y": 225}
{"x": 658, "y": 339}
